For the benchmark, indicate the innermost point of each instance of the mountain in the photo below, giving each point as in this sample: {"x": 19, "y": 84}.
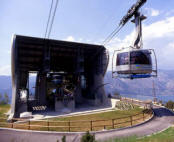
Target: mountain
{"x": 5, "y": 85}
{"x": 164, "y": 85}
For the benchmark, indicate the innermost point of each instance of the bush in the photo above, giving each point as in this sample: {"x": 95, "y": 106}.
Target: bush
{"x": 4, "y": 99}
{"x": 121, "y": 105}
{"x": 170, "y": 105}
{"x": 64, "y": 139}
{"x": 116, "y": 95}
{"x": 88, "y": 138}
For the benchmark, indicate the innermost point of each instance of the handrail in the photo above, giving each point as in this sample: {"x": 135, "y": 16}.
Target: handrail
{"x": 58, "y": 121}
{"x": 91, "y": 124}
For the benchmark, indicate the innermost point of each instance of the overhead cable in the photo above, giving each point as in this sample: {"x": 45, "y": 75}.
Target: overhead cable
{"x": 52, "y": 21}
{"x": 109, "y": 38}
{"x": 131, "y": 12}
{"x": 48, "y": 19}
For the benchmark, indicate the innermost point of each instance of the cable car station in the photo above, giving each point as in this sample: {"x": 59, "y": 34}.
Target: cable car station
{"x": 67, "y": 74}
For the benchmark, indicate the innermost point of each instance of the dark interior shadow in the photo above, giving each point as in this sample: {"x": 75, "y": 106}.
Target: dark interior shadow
{"x": 160, "y": 112}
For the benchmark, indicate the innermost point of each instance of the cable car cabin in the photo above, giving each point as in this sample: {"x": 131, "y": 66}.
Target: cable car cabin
{"x": 134, "y": 63}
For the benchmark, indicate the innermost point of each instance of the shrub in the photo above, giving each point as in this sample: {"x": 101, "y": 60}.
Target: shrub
{"x": 170, "y": 105}
{"x": 88, "y": 138}
{"x": 64, "y": 139}
{"x": 161, "y": 102}
{"x": 4, "y": 99}
{"x": 124, "y": 105}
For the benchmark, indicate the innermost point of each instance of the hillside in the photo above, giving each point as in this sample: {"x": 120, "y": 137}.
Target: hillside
{"x": 164, "y": 85}
{"x": 5, "y": 85}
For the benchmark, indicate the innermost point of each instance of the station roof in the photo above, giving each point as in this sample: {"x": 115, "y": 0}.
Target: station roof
{"x": 30, "y": 51}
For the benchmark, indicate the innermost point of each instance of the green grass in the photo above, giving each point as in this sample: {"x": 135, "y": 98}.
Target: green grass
{"x": 4, "y": 109}
{"x": 128, "y": 139}
{"x": 82, "y": 122}
{"x": 98, "y": 121}
{"x": 165, "y": 136}
{"x": 102, "y": 116}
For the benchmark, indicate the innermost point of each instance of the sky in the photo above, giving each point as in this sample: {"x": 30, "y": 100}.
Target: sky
{"x": 89, "y": 21}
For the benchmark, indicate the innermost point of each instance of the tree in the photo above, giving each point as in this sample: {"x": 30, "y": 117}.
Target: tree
{"x": 64, "y": 139}
{"x": 170, "y": 105}
{"x": 88, "y": 137}
{"x": 4, "y": 99}
{"x": 0, "y": 98}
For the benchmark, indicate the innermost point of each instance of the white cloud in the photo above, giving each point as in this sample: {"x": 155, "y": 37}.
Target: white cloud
{"x": 5, "y": 70}
{"x": 70, "y": 38}
{"x": 73, "y": 39}
{"x": 169, "y": 13}
{"x": 158, "y": 35}
{"x": 9, "y": 52}
{"x": 152, "y": 12}
{"x": 171, "y": 45}
{"x": 159, "y": 29}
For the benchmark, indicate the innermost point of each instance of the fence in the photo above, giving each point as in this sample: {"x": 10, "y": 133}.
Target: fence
{"x": 74, "y": 126}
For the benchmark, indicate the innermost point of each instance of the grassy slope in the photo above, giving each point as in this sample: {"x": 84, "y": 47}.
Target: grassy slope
{"x": 102, "y": 116}
{"x": 165, "y": 136}
{"x": 81, "y": 122}
{"x": 4, "y": 109}
{"x": 76, "y": 121}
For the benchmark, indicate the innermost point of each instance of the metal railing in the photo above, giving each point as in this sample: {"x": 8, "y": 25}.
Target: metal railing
{"x": 74, "y": 126}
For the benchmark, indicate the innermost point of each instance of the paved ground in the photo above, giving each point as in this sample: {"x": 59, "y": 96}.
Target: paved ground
{"x": 162, "y": 120}
{"x": 79, "y": 111}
